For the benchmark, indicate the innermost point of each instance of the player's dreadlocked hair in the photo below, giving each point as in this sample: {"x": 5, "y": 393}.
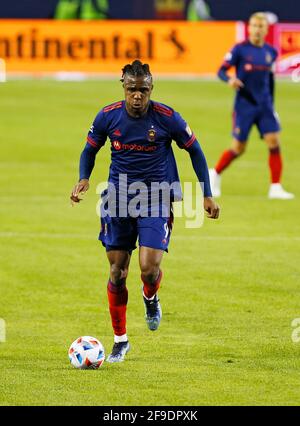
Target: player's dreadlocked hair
{"x": 136, "y": 69}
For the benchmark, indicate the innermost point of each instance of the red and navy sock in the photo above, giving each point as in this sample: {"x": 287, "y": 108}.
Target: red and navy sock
{"x": 117, "y": 299}
{"x": 226, "y": 158}
{"x": 275, "y": 164}
{"x": 150, "y": 290}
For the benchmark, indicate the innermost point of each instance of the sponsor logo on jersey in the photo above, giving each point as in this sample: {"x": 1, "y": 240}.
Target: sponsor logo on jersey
{"x": 133, "y": 147}
{"x": 117, "y": 145}
{"x": 142, "y": 148}
{"x": 92, "y": 129}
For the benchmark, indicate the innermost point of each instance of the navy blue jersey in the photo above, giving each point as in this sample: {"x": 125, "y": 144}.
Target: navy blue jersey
{"x": 253, "y": 66}
{"x": 141, "y": 147}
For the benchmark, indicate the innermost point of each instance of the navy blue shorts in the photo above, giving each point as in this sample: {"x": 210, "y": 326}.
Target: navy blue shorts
{"x": 246, "y": 115}
{"x": 121, "y": 233}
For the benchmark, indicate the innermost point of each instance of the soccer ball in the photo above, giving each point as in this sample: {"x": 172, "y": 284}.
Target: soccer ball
{"x": 86, "y": 352}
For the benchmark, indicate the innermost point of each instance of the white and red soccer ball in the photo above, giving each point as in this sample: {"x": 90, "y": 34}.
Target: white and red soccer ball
{"x": 86, "y": 352}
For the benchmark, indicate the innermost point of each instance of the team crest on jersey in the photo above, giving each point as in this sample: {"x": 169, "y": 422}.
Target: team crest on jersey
{"x": 151, "y": 135}
{"x": 268, "y": 58}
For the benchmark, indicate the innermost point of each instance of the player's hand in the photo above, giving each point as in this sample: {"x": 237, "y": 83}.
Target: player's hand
{"x": 79, "y": 189}
{"x": 235, "y": 83}
{"x": 212, "y": 208}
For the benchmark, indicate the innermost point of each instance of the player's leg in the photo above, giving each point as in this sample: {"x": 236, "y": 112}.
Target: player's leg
{"x": 236, "y": 150}
{"x": 118, "y": 235}
{"x": 275, "y": 164}
{"x": 151, "y": 274}
{"x": 243, "y": 119}
{"x": 117, "y": 298}
{"x": 269, "y": 127}
{"x": 154, "y": 237}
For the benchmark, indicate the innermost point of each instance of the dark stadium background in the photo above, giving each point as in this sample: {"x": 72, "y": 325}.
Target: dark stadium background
{"x": 288, "y": 10}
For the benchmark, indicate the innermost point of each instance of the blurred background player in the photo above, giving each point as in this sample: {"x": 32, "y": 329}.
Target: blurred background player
{"x": 254, "y": 103}
{"x": 141, "y": 132}
{"x": 81, "y": 9}
{"x": 198, "y": 10}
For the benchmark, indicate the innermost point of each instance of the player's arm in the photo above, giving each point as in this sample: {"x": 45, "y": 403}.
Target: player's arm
{"x": 231, "y": 59}
{"x": 200, "y": 167}
{"x": 86, "y": 165}
{"x": 185, "y": 139}
{"x": 272, "y": 84}
{"x": 95, "y": 140}
{"x": 272, "y": 74}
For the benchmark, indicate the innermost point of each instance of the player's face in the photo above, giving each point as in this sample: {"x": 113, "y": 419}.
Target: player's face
{"x": 258, "y": 29}
{"x": 137, "y": 94}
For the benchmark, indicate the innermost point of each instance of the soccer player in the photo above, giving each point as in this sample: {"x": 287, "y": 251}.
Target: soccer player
{"x": 254, "y": 84}
{"x": 140, "y": 131}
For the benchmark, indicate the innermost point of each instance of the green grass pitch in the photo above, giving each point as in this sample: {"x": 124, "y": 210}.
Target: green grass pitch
{"x": 230, "y": 288}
